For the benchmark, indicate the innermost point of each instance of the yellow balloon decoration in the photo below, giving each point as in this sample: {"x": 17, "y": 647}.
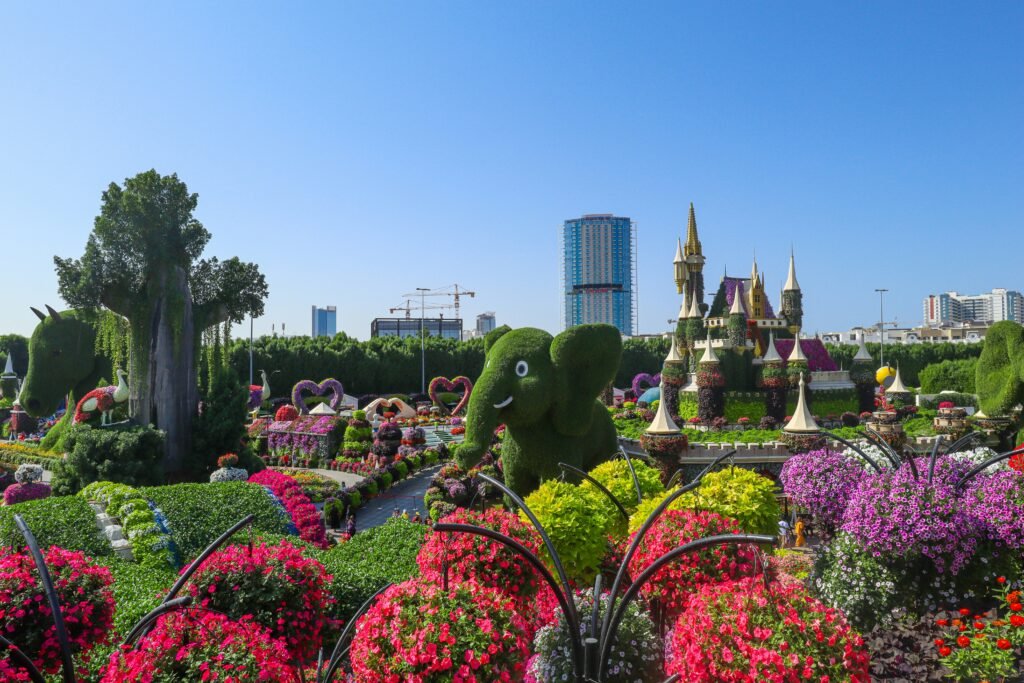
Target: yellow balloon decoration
{"x": 885, "y": 375}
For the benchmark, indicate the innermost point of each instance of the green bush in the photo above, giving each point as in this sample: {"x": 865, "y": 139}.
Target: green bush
{"x": 576, "y": 519}
{"x": 402, "y": 469}
{"x": 959, "y": 400}
{"x": 735, "y": 492}
{"x": 199, "y": 513}
{"x": 614, "y": 475}
{"x": 385, "y": 481}
{"x": 220, "y": 427}
{"x": 744, "y": 404}
{"x": 687, "y": 404}
{"x": 831, "y": 402}
{"x": 949, "y": 375}
{"x": 150, "y": 545}
{"x": 369, "y": 561}
{"x": 67, "y": 521}
{"x": 131, "y": 455}
{"x": 137, "y": 590}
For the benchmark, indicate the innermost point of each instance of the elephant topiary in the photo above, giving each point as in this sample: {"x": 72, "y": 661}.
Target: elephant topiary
{"x": 544, "y": 390}
{"x": 999, "y": 378}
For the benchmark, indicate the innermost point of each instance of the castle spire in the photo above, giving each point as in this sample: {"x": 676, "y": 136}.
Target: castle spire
{"x": 802, "y": 421}
{"x": 684, "y": 310}
{"x": 694, "y": 311}
{"x": 679, "y": 268}
{"x": 791, "y": 284}
{"x": 772, "y": 355}
{"x": 709, "y": 353}
{"x": 692, "y": 242}
{"x": 737, "y": 304}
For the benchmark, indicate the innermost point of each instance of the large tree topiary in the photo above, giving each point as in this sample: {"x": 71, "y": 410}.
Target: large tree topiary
{"x": 142, "y": 261}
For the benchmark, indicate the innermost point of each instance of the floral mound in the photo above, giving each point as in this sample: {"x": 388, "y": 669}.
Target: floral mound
{"x": 470, "y": 556}
{"x": 635, "y": 654}
{"x": 86, "y": 600}
{"x": 672, "y": 585}
{"x": 418, "y": 632}
{"x": 277, "y": 586}
{"x": 822, "y": 481}
{"x": 741, "y": 632}
{"x": 571, "y": 515}
{"x": 302, "y": 512}
{"x": 202, "y": 646}
{"x": 29, "y": 485}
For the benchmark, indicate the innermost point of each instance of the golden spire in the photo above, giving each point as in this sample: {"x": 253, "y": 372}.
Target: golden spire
{"x": 679, "y": 268}
{"x": 692, "y": 243}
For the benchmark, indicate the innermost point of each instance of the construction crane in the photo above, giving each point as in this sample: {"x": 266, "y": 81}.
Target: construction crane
{"x": 454, "y": 291}
{"x": 409, "y": 307}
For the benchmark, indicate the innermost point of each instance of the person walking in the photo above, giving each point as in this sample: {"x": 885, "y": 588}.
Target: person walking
{"x": 800, "y": 526}
{"x": 783, "y": 533}
{"x": 350, "y": 526}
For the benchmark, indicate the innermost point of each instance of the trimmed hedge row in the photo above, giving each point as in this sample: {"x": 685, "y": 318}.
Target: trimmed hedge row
{"x": 17, "y": 454}
{"x": 199, "y": 513}
{"x": 150, "y": 545}
{"x": 67, "y": 521}
{"x": 949, "y": 375}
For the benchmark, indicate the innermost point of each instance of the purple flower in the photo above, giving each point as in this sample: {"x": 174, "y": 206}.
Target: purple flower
{"x": 822, "y": 481}
{"x": 996, "y": 501}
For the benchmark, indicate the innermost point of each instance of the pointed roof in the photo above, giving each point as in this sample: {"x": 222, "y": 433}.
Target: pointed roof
{"x": 684, "y": 308}
{"x": 9, "y": 367}
{"x": 694, "y": 311}
{"x": 897, "y": 386}
{"x": 802, "y": 421}
{"x": 791, "y": 283}
{"x": 753, "y": 273}
{"x": 797, "y": 354}
{"x": 673, "y": 356}
{"x": 737, "y": 304}
{"x": 692, "y": 242}
{"x": 709, "y": 353}
{"x": 663, "y": 422}
{"x": 322, "y": 409}
{"x": 679, "y": 252}
{"x": 862, "y": 352}
{"x": 772, "y": 354}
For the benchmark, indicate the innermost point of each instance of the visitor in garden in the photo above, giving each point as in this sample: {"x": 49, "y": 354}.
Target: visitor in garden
{"x": 350, "y": 525}
{"x": 416, "y": 517}
{"x": 783, "y": 533}
{"x": 800, "y": 540}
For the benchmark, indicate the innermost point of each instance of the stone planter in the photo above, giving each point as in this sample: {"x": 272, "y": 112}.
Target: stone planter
{"x": 952, "y": 422}
{"x": 889, "y": 427}
{"x": 665, "y": 449}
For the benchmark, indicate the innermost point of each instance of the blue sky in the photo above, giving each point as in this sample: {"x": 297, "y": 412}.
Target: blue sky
{"x": 357, "y": 151}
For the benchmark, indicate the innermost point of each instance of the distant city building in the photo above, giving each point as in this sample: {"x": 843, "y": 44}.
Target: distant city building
{"x": 485, "y": 322}
{"x": 957, "y": 333}
{"x": 325, "y": 321}
{"x": 599, "y": 271}
{"x": 449, "y": 328}
{"x": 952, "y": 307}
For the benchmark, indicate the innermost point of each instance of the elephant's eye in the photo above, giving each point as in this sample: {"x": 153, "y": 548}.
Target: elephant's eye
{"x": 522, "y": 368}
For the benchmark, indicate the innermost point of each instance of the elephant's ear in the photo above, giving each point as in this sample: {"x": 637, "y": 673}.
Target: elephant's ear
{"x": 493, "y": 336}
{"x": 586, "y": 358}
{"x": 999, "y": 379}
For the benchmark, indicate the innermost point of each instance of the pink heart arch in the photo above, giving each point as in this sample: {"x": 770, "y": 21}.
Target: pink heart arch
{"x": 444, "y": 384}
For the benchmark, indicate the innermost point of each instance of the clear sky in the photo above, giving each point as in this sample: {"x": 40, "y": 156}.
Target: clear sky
{"x": 357, "y": 151}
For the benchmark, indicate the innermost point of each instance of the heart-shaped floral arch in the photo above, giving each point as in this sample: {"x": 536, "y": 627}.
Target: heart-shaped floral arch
{"x": 444, "y": 384}
{"x": 331, "y": 386}
{"x": 643, "y": 379}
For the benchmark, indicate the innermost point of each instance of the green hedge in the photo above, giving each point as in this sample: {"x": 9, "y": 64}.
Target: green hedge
{"x": 124, "y": 455}
{"x": 67, "y": 521}
{"x": 137, "y": 590}
{"x": 958, "y": 399}
{"x": 949, "y": 375}
{"x": 911, "y": 358}
{"x": 744, "y": 404}
{"x": 687, "y": 404}
{"x": 371, "y": 560}
{"x": 830, "y": 402}
{"x": 199, "y": 513}
{"x": 16, "y": 454}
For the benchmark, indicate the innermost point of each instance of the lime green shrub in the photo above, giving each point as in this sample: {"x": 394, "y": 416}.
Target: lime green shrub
{"x": 150, "y": 545}
{"x": 577, "y": 520}
{"x": 614, "y": 476}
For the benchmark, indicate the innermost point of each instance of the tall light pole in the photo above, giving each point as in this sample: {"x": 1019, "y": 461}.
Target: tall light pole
{"x": 250, "y": 350}
{"x": 881, "y": 325}
{"x": 423, "y": 342}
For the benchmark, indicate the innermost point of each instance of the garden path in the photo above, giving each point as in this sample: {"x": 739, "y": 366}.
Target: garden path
{"x": 405, "y": 495}
{"x": 343, "y": 478}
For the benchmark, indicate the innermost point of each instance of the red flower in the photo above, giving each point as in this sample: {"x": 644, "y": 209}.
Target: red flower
{"x": 963, "y": 641}
{"x": 1016, "y": 620}
{"x": 964, "y": 612}
{"x": 1004, "y": 644}
{"x": 945, "y": 652}
{"x": 1001, "y": 579}
{"x": 1015, "y": 607}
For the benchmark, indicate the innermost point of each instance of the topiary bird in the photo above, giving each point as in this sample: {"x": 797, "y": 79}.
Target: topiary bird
{"x": 258, "y": 394}
{"x": 102, "y": 400}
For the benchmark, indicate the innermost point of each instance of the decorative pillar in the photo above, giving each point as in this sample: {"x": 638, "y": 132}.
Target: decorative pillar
{"x": 774, "y": 382}
{"x": 710, "y": 386}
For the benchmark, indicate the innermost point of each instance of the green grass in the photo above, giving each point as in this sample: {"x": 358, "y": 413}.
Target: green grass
{"x": 67, "y": 521}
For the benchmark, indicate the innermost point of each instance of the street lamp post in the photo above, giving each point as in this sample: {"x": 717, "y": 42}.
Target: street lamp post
{"x": 881, "y": 326}
{"x": 250, "y": 350}
{"x": 423, "y": 341}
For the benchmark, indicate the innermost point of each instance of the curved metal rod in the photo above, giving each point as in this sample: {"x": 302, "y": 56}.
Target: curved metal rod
{"x": 864, "y": 456}
{"x": 555, "y": 559}
{"x": 159, "y": 611}
{"x": 934, "y": 455}
{"x": 68, "y": 670}
{"x": 672, "y": 679}
{"x": 564, "y": 599}
{"x": 22, "y": 660}
{"x": 977, "y": 469}
{"x": 674, "y": 479}
{"x": 632, "y": 473}
{"x": 645, "y": 576}
{"x": 641, "y": 532}
{"x": 963, "y": 441}
{"x": 335, "y": 661}
{"x": 600, "y": 487}
{"x": 590, "y": 642}
{"x": 887, "y": 450}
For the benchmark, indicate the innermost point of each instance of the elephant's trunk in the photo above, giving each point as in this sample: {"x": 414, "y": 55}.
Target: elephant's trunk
{"x": 481, "y": 421}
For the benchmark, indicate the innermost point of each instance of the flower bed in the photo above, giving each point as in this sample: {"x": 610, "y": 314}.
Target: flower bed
{"x": 302, "y": 512}
{"x": 317, "y": 487}
{"x": 306, "y": 438}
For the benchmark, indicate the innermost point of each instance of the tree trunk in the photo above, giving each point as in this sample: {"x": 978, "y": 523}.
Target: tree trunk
{"x": 169, "y": 396}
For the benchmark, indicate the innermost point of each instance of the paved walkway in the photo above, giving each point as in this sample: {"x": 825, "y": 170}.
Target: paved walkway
{"x": 405, "y": 495}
